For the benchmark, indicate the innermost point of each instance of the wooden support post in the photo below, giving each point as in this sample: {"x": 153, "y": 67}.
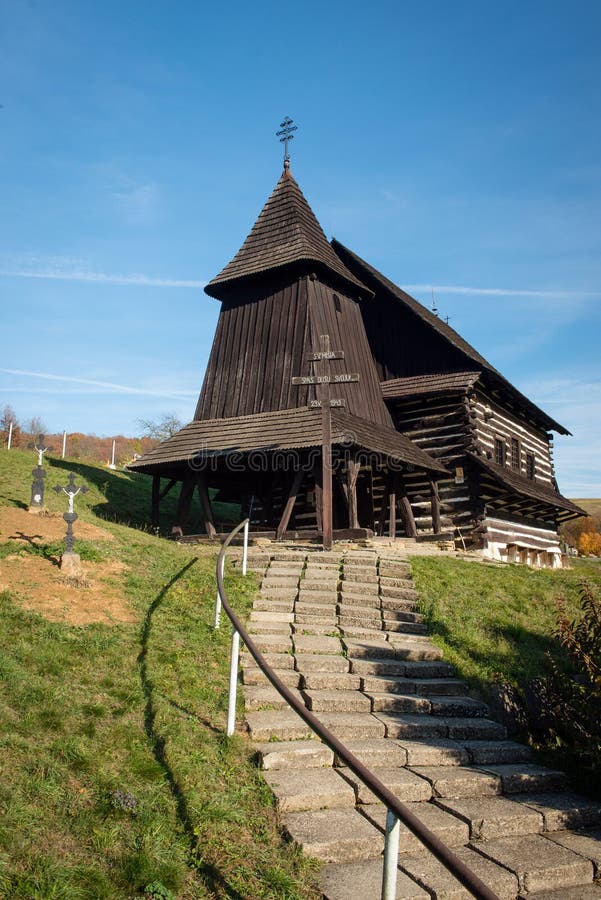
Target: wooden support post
{"x": 392, "y": 514}
{"x": 435, "y": 506}
{"x": 318, "y": 496}
{"x": 183, "y": 506}
{"x": 384, "y": 507}
{"x": 352, "y": 473}
{"x": 406, "y": 511}
{"x": 170, "y": 484}
{"x": 326, "y": 478}
{"x": 205, "y": 505}
{"x": 156, "y": 496}
{"x": 289, "y": 505}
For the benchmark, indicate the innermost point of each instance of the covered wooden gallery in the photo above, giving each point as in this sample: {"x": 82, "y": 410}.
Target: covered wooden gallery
{"x": 256, "y": 438}
{"x": 501, "y": 493}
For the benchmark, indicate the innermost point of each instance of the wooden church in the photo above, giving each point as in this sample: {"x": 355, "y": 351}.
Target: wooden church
{"x": 336, "y": 405}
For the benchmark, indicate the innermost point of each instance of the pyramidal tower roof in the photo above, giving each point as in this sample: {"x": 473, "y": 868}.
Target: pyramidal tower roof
{"x": 286, "y": 232}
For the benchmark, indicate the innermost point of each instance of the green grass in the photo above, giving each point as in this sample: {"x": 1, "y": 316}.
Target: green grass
{"x": 113, "y": 495}
{"x": 496, "y": 622}
{"x": 139, "y": 709}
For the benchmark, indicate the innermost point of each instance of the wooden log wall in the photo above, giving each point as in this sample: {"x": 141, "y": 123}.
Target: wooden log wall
{"x": 520, "y": 534}
{"x": 492, "y": 419}
{"x": 443, "y": 427}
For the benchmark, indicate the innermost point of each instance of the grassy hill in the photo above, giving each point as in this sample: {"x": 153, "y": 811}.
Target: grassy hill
{"x": 116, "y": 780}
{"x": 592, "y": 506}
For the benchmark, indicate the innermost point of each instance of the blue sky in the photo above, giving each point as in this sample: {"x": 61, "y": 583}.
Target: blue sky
{"x": 453, "y": 145}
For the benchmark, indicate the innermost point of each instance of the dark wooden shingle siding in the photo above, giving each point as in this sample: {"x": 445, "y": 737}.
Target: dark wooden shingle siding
{"x": 286, "y": 232}
{"x": 437, "y": 383}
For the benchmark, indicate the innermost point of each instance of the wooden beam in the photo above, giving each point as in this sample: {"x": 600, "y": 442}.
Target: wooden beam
{"x": 170, "y": 484}
{"x": 405, "y": 509}
{"x": 289, "y": 505}
{"x": 156, "y": 495}
{"x": 352, "y": 473}
{"x": 392, "y": 510}
{"x": 205, "y": 505}
{"x": 183, "y": 506}
{"x": 384, "y": 507}
{"x": 318, "y": 495}
{"x": 435, "y": 506}
{"x": 326, "y": 478}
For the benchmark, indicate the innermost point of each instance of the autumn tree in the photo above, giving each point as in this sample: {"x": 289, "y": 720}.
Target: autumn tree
{"x": 160, "y": 429}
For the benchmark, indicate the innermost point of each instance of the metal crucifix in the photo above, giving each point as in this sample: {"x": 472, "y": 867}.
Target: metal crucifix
{"x": 285, "y": 136}
{"x": 325, "y": 402}
{"x": 39, "y": 473}
{"x": 71, "y": 516}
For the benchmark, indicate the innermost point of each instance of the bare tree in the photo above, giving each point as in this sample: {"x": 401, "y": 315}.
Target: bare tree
{"x": 36, "y": 425}
{"x": 160, "y": 429}
{"x": 8, "y": 418}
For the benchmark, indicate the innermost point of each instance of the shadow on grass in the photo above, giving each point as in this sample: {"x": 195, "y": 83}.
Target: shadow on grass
{"x": 210, "y": 872}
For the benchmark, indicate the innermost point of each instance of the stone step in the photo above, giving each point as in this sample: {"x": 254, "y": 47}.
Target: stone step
{"x": 381, "y": 649}
{"x": 280, "y": 725}
{"x": 400, "y": 627}
{"x": 334, "y": 835}
{"x": 326, "y": 628}
{"x": 310, "y": 619}
{"x": 358, "y": 589}
{"x": 365, "y": 619}
{"x": 563, "y": 810}
{"x": 298, "y": 790}
{"x": 285, "y": 596}
{"x": 423, "y": 726}
{"x": 487, "y": 818}
{"x": 363, "y": 881}
{"x": 283, "y": 571}
{"x": 317, "y": 644}
{"x": 269, "y": 628}
{"x": 319, "y": 585}
{"x": 409, "y": 703}
{"x": 274, "y": 604}
{"x": 252, "y": 674}
{"x": 465, "y": 707}
{"x": 403, "y": 783}
{"x": 580, "y": 892}
{"x": 257, "y": 615}
{"x": 538, "y": 863}
{"x": 434, "y": 752}
{"x": 449, "y": 828}
{"x": 388, "y": 594}
{"x": 294, "y": 755}
{"x": 336, "y": 701}
{"x": 348, "y": 601}
{"x": 396, "y": 667}
{"x": 265, "y": 696}
{"x": 360, "y": 576}
{"x": 394, "y": 570}
{"x": 401, "y": 615}
{"x": 331, "y": 681}
{"x": 320, "y": 662}
{"x": 318, "y": 598}
{"x": 387, "y": 583}
{"x": 519, "y": 778}
{"x": 438, "y": 882}
{"x": 391, "y": 604}
{"x": 352, "y": 726}
{"x": 360, "y": 632}
{"x": 380, "y": 684}
{"x": 458, "y": 782}
{"x": 272, "y": 581}
{"x": 272, "y": 643}
{"x": 277, "y": 661}
{"x": 379, "y": 752}
{"x": 490, "y": 752}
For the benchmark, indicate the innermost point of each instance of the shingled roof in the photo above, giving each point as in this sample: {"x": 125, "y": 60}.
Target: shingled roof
{"x": 285, "y": 232}
{"x": 376, "y": 280}
{"x": 445, "y": 383}
{"x": 288, "y": 429}
{"x": 517, "y": 483}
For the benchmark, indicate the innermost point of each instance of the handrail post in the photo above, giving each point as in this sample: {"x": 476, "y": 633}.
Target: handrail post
{"x": 218, "y": 598}
{"x": 231, "y": 706}
{"x": 391, "y": 856}
{"x": 245, "y": 547}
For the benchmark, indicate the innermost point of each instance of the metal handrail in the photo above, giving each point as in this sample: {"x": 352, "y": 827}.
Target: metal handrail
{"x": 397, "y": 811}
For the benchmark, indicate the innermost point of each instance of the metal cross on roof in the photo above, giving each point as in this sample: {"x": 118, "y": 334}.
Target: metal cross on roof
{"x": 285, "y": 136}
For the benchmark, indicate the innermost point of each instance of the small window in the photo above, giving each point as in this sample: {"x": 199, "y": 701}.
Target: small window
{"x": 515, "y": 454}
{"x": 530, "y": 466}
{"x": 500, "y": 451}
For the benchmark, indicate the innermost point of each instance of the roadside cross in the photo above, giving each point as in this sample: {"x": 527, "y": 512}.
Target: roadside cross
{"x": 323, "y": 379}
{"x": 39, "y": 473}
{"x": 70, "y": 516}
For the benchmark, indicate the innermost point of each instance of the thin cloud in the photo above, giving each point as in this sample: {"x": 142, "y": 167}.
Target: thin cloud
{"x": 136, "y": 280}
{"x": 106, "y": 386}
{"x": 497, "y": 292}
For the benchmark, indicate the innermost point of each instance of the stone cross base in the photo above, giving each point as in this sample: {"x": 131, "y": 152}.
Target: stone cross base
{"x": 71, "y": 564}
{"x": 36, "y": 509}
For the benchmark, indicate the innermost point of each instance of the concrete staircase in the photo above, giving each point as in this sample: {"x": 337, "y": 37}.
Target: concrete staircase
{"x": 342, "y": 629}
